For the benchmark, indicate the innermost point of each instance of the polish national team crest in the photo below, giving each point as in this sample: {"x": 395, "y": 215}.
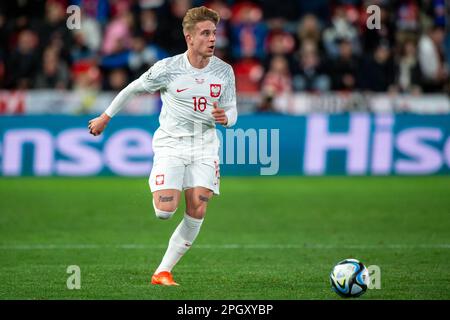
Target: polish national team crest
{"x": 159, "y": 179}
{"x": 215, "y": 90}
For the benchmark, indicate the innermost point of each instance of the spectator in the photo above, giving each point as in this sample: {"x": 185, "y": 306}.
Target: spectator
{"x": 86, "y": 76}
{"x": 407, "y": 16}
{"x": 142, "y": 56}
{"x": 341, "y": 27}
{"x": 98, "y": 10}
{"x": 277, "y": 80}
{"x": 309, "y": 30}
{"x": 248, "y": 32}
{"x": 248, "y": 72}
{"x": 54, "y": 73}
{"x": 90, "y": 32}
{"x": 344, "y": 68}
{"x": 16, "y": 16}
{"x": 24, "y": 61}
{"x": 118, "y": 31}
{"x": 310, "y": 72}
{"x": 117, "y": 79}
{"x": 279, "y": 42}
{"x": 438, "y": 14}
{"x": 53, "y": 29}
{"x": 319, "y": 8}
{"x": 407, "y": 70}
{"x": 169, "y": 37}
{"x": 377, "y": 71}
{"x": 431, "y": 59}
{"x": 148, "y": 24}
{"x": 80, "y": 50}
{"x": 86, "y": 84}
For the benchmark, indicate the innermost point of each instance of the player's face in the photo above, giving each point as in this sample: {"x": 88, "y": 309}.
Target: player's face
{"x": 203, "y": 39}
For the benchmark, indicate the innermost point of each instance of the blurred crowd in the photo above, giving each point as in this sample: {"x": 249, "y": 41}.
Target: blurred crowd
{"x": 275, "y": 47}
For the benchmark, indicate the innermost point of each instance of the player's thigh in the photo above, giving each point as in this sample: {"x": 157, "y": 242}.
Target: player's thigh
{"x": 197, "y": 199}
{"x": 167, "y": 200}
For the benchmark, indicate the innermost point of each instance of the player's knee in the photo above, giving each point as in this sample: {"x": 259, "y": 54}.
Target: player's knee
{"x": 197, "y": 204}
{"x": 164, "y": 215}
{"x": 164, "y": 210}
{"x": 197, "y": 212}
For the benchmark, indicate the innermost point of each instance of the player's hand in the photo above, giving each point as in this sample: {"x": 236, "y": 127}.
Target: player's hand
{"x": 97, "y": 125}
{"x": 219, "y": 114}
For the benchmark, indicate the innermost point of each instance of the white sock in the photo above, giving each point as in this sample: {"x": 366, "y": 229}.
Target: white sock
{"x": 181, "y": 240}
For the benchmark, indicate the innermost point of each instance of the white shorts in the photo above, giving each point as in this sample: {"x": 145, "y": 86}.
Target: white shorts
{"x": 171, "y": 172}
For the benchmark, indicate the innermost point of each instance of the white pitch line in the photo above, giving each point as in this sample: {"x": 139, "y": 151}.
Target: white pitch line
{"x": 222, "y": 246}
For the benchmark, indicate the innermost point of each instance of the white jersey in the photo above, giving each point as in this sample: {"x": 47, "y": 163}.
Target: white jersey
{"x": 188, "y": 95}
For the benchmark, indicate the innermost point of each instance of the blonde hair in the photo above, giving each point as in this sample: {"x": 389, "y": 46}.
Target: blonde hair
{"x": 199, "y": 14}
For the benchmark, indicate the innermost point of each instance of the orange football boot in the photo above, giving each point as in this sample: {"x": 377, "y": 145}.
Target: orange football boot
{"x": 164, "y": 278}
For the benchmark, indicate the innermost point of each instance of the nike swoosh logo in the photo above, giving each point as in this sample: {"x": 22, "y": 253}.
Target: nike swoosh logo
{"x": 180, "y": 90}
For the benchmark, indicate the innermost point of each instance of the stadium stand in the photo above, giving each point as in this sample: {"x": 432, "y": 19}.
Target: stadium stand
{"x": 303, "y": 50}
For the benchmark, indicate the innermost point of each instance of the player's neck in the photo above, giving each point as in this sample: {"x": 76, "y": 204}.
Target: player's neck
{"x": 197, "y": 61}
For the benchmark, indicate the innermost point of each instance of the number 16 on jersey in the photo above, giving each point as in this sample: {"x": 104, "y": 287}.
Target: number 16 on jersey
{"x": 199, "y": 103}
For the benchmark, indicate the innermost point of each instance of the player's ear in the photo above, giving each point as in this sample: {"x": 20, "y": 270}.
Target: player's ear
{"x": 188, "y": 37}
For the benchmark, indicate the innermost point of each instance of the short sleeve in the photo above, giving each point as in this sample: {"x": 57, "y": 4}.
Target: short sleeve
{"x": 155, "y": 78}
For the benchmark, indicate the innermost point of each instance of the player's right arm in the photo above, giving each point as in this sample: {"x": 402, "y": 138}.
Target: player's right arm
{"x": 98, "y": 125}
{"x": 151, "y": 81}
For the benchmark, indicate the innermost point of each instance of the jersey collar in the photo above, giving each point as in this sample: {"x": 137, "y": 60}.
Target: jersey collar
{"x": 190, "y": 67}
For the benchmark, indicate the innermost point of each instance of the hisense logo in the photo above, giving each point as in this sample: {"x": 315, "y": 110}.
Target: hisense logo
{"x": 371, "y": 146}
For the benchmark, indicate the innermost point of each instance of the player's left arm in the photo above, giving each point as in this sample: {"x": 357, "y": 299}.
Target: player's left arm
{"x": 225, "y": 111}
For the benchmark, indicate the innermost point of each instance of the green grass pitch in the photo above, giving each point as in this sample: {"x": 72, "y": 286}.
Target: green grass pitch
{"x": 263, "y": 238}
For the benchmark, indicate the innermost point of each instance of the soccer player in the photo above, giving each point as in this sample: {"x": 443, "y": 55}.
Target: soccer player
{"x": 198, "y": 91}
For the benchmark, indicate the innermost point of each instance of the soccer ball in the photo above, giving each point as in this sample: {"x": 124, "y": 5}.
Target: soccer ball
{"x": 349, "y": 278}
